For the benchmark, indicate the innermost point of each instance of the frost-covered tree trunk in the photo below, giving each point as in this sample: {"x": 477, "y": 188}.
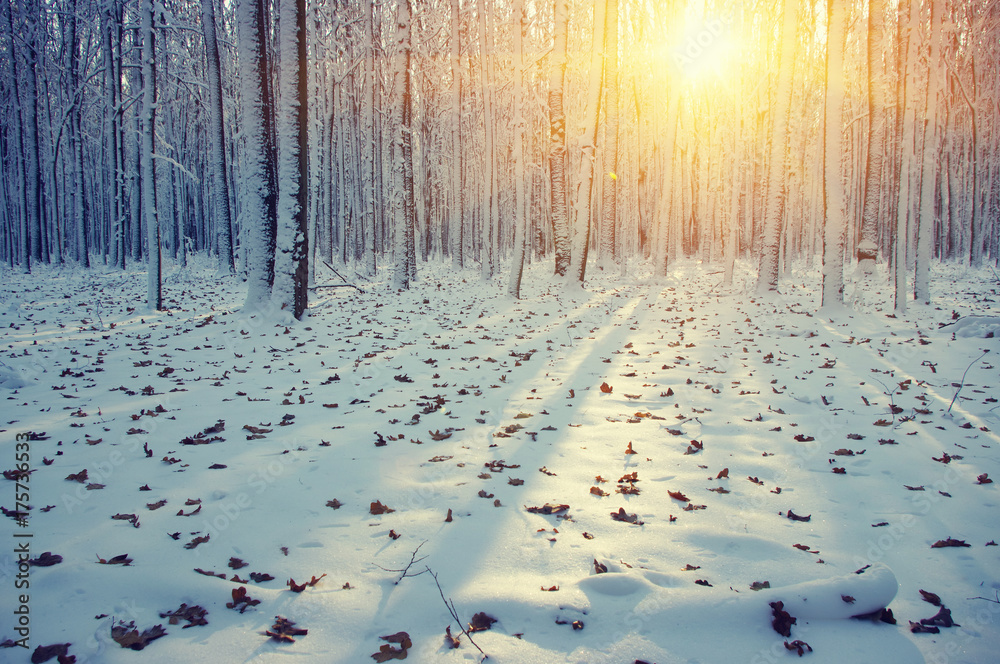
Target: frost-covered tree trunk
{"x": 767, "y": 278}
{"x": 489, "y": 227}
{"x": 401, "y": 98}
{"x": 931, "y": 150}
{"x": 835, "y": 225}
{"x": 586, "y": 147}
{"x": 668, "y": 190}
{"x": 23, "y": 249}
{"x": 876, "y": 126}
{"x": 110, "y": 34}
{"x": 456, "y": 211}
{"x": 609, "y": 190}
{"x": 154, "y": 293}
{"x": 557, "y": 143}
{"x": 520, "y": 208}
{"x": 731, "y": 231}
{"x": 217, "y": 139}
{"x": 32, "y": 156}
{"x": 291, "y": 266}
{"x": 81, "y": 205}
{"x": 260, "y": 203}
{"x": 368, "y": 144}
{"x": 906, "y": 133}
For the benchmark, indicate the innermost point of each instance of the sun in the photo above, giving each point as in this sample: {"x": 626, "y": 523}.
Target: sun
{"x": 705, "y": 49}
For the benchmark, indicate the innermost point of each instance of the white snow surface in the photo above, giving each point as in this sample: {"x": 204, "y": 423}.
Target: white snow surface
{"x": 454, "y": 377}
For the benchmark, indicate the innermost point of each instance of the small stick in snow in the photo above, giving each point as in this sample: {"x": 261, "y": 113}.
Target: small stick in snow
{"x": 962, "y": 382}
{"x": 405, "y": 572}
{"x": 454, "y": 614}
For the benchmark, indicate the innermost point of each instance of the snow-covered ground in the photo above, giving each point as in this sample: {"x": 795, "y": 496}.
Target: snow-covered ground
{"x": 772, "y": 446}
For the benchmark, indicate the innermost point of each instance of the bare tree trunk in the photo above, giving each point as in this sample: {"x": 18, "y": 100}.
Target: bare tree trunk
{"x": 767, "y": 279}
{"x": 520, "y": 211}
{"x": 835, "y": 226}
{"x": 928, "y": 181}
{"x": 587, "y": 147}
{"x": 557, "y": 146}
{"x": 489, "y": 234}
{"x": 401, "y": 98}
{"x": 876, "y": 134}
{"x": 154, "y": 293}
{"x": 217, "y": 139}
{"x": 291, "y": 266}
{"x": 33, "y": 168}
{"x": 609, "y": 203}
{"x": 260, "y": 203}
{"x": 456, "y": 210}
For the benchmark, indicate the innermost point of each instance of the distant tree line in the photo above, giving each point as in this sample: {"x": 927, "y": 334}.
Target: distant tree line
{"x": 278, "y": 135}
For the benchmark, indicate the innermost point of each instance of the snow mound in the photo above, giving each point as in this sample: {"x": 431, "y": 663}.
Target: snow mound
{"x": 12, "y": 378}
{"x": 839, "y": 597}
{"x": 977, "y": 327}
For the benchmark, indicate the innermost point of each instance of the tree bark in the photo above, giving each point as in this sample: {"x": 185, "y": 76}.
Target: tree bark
{"x": 260, "y": 202}
{"x": 767, "y": 279}
{"x": 217, "y": 139}
{"x": 835, "y": 226}
{"x": 154, "y": 292}
{"x": 557, "y": 144}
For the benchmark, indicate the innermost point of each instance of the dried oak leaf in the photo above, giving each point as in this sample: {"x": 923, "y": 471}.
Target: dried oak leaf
{"x": 677, "y": 495}
{"x": 284, "y": 629}
{"x": 80, "y": 477}
{"x": 377, "y": 508}
{"x": 598, "y": 491}
{"x": 401, "y": 638}
{"x": 917, "y": 628}
{"x": 879, "y": 615}
{"x": 450, "y": 640}
{"x": 548, "y": 508}
{"x": 481, "y": 622}
{"x": 122, "y": 559}
{"x": 783, "y": 620}
{"x": 194, "y": 615}
{"x": 201, "y": 539}
{"x": 299, "y": 587}
{"x": 795, "y": 517}
{"x": 799, "y": 646}
{"x": 45, "y": 653}
{"x": 127, "y": 636}
{"x": 930, "y": 597}
{"x": 599, "y": 568}
{"x": 724, "y": 473}
{"x": 983, "y": 479}
{"x": 620, "y": 515}
{"x": 335, "y": 504}
{"x": 237, "y": 563}
{"x": 47, "y": 559}
{"x": 941, "y": 619}
{"x": 940, "y": 544}
{"x": 606, "y": 389}
{"x": 241, "y": 600}
{"x": 260, "y": 577}
{"x": 387, "y": 652}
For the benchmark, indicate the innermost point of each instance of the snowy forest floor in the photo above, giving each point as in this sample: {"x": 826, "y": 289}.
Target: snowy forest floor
{"x": 201, "y": 439}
